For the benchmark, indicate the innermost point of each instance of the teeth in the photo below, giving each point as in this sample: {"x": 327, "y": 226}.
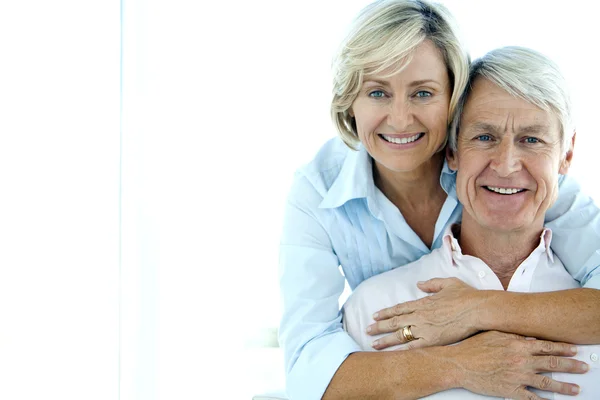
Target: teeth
{"x": 402, "y": 140}
{"x": 504, "y": 190}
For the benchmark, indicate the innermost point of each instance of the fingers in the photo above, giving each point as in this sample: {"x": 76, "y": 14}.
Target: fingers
{"x": 559, "y": 364}
{"x": 386, "y": 326}
{"x": 434, "y": 285}
{"x": 548, "y": 384}
{"x": 394, "y": 339}
{"x": 545, "y": 347}
{"x": 398, "y": 309}
{"x": 524, "y": 394}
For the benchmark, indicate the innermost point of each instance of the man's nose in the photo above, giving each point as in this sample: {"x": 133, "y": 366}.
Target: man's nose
{"x": 505, "y": 160}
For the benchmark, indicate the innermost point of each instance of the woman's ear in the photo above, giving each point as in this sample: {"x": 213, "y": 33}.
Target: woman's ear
{"x": 452, "y": 159}
{"x": 565, "y": 164}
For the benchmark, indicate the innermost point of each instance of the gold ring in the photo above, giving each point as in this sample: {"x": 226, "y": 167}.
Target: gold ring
{"x": 407, "y": 333}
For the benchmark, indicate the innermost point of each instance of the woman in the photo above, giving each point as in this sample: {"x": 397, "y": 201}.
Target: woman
{"x": 399, "y": 75}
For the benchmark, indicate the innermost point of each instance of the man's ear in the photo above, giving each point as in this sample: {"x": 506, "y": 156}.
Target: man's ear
{"x": 452, "y": 159}
{"x": 566, "y": 162}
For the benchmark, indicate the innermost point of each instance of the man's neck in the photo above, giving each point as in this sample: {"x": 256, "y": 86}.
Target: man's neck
{"x": 503, "y": 252}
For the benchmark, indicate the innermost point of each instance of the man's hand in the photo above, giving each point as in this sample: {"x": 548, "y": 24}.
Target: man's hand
{"x": 445, "y": 317}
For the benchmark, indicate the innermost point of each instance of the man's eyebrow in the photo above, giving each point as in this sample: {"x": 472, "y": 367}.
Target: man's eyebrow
{"x": 483, "y": 127}
{"x": 537, "y": 128}
{"x": 528, "y": 129}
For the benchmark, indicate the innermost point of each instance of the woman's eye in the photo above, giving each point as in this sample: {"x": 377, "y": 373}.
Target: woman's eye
{"x": 484, "y": 138}
{"x": 377, "y": 94}
{"x": 423, "y": 93}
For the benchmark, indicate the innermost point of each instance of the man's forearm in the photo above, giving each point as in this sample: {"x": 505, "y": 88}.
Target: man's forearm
{"x": 571, "y": 316}
{"x": 405, "y": 374}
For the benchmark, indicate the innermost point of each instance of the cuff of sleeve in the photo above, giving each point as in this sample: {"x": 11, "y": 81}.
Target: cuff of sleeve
{"x": 593, "y": 282}
{"x": 318, "y": 362}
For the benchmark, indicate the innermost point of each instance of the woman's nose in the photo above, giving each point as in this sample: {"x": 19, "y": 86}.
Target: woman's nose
{"x": 400, "y": 114}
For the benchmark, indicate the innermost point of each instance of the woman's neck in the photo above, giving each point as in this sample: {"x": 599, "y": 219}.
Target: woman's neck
{"x": 417, "y": 194}
{"x": 412, "y": 190}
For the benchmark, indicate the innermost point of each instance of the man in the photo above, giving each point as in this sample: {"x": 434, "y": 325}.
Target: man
{"x": 510, "y": 145}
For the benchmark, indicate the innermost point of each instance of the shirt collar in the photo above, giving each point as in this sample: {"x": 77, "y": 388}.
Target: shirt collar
{"x": 354, "y": 181}
{"x": 452, "y": 249}
{"x": 448, "y": 179}
{"x": 545, "y": 240}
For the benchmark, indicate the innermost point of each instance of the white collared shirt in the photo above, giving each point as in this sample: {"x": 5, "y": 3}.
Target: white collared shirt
{"x": 540, "y": 272}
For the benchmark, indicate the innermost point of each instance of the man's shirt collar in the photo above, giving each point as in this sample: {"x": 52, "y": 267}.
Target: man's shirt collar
{"x": 451, "y": 247}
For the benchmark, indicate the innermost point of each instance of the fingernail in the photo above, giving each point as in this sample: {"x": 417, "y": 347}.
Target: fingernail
{"x": 375, "y": 343}
{"x": 574, "y": 349}
{"x": 376, "y": 315}
{"x": 368, "y": 329}
{"x": 585, "y": 367}
{"x": 420, "y": 282}
{"x": 575, "y": 389}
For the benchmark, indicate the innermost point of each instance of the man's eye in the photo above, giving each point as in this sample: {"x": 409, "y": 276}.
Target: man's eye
{"x": 377, "y": 94}
{"x": 423, "y": 93}
{"x": 532, "y": 140}
{"x": 484, "y": 138}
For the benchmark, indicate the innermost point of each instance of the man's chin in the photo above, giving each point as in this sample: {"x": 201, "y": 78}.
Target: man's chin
{"x": 510, "y": 223}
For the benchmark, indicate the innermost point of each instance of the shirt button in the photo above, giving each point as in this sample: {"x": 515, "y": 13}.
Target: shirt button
{"x": 594, "y": 357}
{"x": 481, "y": 274}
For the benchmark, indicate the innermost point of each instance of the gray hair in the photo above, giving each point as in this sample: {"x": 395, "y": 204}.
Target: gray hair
{"x": 383, "y": 37}
{"x": 525, "y": 74}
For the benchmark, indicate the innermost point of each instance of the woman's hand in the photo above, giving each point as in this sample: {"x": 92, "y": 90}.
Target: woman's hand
{"x": 503, "y": 364}
{"x": 445, "y": 317}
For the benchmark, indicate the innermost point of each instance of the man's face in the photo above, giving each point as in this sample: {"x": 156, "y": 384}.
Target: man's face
{"x": 508, "y": 159}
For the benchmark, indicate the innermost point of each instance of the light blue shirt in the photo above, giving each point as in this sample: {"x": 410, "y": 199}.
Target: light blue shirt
{"x": 336, "y": 216}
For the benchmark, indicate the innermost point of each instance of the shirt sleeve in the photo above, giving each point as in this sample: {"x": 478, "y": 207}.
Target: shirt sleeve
{"x": 311, "y": 334}
{"x": 575, "y": 222}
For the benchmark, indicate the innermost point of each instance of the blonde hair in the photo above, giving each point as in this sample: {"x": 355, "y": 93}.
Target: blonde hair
{"x": 382, "y": 37}
{"x": 525, "y": 74}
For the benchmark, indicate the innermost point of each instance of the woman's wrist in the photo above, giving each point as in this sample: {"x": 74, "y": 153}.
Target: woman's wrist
{"x": 487, "y": 315}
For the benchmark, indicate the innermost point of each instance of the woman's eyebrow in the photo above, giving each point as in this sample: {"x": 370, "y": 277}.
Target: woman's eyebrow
{"x": 413, "y": 83}
{"x": 376, "y": 81}
{"x": 424, "y": 81}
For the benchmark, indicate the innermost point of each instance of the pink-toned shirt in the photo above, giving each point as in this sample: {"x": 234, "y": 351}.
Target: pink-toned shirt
{"x": 540, "y": 272}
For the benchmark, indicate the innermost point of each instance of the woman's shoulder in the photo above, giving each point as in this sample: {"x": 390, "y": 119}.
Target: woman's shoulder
{"x": 323, "y": 170}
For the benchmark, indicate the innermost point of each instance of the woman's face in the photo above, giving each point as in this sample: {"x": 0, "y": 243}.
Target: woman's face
{"x": 402, "y": 120}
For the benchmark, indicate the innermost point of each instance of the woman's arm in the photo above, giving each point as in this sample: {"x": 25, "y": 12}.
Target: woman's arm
{"x": 491, "y": 363}
{"x": 392, "y": 375}
{"x": 575, "y": 223}
{"x": 455, "y": 311}
{"x": 571, "y": 316}
{"x": 310, "y": 331}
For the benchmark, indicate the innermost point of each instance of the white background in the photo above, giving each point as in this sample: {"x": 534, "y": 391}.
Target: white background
{"x": 138, "y": 239}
